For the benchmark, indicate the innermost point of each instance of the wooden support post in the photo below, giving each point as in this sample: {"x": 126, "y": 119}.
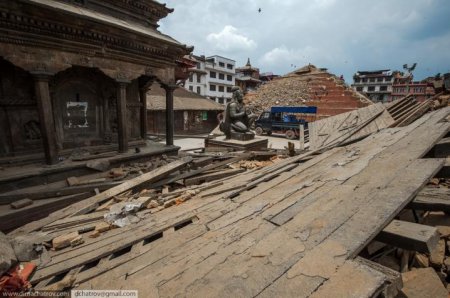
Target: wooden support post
{"x": 143, "y": 98}
{"x": 46, "y": 121}
{"x": 432, "y": 199}
{"x": 302, "y": 137}
{"x": 169, "y": 113}
{"x": 122, "y": 115}
{"x": 409, "y": 236}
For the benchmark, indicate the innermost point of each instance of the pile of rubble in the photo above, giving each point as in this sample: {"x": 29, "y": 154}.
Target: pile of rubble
{"x": 307, "y": 86}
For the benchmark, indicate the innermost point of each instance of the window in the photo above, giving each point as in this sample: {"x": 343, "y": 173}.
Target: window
{"x": 360, "y": 89}
{"x": 221, "y": 76}
{"x": 230, "y": 66}
{"x": 372, "y": 80}
{"x": 229, "y": 78}
{"x": 198, "y": 89}
{"x": 265, "y": 115}
{"x": 199, "y": 78}
{"x": 221, "y": 88}
{"x": 221, "y": 100}
{"x": 371, "y": 88}
{"x": 379, "y": 79}
{"x": 212, "y": 87}
{"x": 229, "y": 89}
{"x": 364, "y": 80}
{"x": 221, "y": 64}
{"x": 191, "y": 88}
{"x": 212, "y": 74}
{"x": 198, "y": 65}
{"x": 190, "y": 77}
{"x": 383, "y": 88}
{"x": 357, "y": 80}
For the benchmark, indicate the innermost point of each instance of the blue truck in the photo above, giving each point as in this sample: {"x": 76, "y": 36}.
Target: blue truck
{"x": 285, "y": 120}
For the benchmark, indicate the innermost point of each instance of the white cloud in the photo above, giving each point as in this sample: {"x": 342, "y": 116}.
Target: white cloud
{"x": 287, "y": 56}
{"x": 343, "y": 37}
{"x": 229, "y": 39}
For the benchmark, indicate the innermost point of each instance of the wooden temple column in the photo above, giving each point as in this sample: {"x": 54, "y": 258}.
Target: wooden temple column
{"x": 122, "y": 115}
{"x": 144, "y": 85}
{"x": 169, "y": 113}
{"x": 46, "y": 121}
{"x": 143, "y": 110}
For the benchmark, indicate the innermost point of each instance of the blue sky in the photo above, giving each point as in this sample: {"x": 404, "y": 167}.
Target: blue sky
{"x": 343, "y": 36}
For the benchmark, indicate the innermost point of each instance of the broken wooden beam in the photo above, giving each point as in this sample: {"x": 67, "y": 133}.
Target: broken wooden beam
{"x": 211, "y": 176}
{"x": 432, "y": 199}
{"x": 21, "y": 203}
{"x": 152, "y": 176}
{"x": 202, "y": 170}
{"x": 409, "y": 236}
{"x": 12, "y": 196}
{"x": 394, "y": 279}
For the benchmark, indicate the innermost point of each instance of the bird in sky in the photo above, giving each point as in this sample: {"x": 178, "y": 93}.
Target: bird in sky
{"x": 259, "y": 10}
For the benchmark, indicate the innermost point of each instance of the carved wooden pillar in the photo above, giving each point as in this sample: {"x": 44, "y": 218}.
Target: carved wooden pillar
{"x": 169, "y": 113}
{"x": 143, "y": 99}
{"x": 46, "y": 121}
{"x": 122, "y": 115}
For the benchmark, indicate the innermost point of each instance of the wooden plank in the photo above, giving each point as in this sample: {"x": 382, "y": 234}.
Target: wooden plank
{"x": 93, "y": 202}
{"x": 348, "y": 126}
{"x": 10, "y": 197}
{"x": 394, "y": 279}
{"x": 353, "y": 279}
{"x": 38, "y": 211}
{"x": 21, "y": 203}
{"x": 100, "y": 249}
{"x": 409, "y": 236}
{"x": 149, "y": 177}
{"x": 432, "y": 199}
{"x": 74, "y": 220}
{"x": 201, "y": 170}
{"x": 212, "y": 176}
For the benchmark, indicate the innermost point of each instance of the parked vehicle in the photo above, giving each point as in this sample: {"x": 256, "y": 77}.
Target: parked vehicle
{"x": 285, "y": 120}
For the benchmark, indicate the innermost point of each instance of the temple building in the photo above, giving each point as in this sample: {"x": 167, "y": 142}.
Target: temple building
{"x": 75, "y": 74}
{"x": 194, "y": 114}
{"x": 247, "y": 77}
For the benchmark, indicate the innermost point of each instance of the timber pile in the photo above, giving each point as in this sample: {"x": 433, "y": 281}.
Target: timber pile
{"x": 33, "y": 203}
{"x": 299, "y": 227}
{"x": 406, "y": 110}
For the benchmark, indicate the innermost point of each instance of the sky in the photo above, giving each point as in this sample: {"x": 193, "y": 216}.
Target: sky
{"x": 344, "y": 36}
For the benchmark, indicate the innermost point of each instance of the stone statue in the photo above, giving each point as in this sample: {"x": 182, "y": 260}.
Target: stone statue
{"x": 237, "y": 119}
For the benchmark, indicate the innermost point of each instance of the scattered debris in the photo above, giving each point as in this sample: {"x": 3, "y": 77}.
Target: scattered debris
{"x": 63, "y": 241}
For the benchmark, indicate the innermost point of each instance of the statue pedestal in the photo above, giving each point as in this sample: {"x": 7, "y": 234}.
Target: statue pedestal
{"x": 220, "y": 143}
{"x": 247, "y": 136}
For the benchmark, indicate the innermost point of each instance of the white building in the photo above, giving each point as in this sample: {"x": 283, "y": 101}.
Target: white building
{"x": 213, "y": 77}
{"x": 197, "y": 77}
{"x": 377, "y": 84}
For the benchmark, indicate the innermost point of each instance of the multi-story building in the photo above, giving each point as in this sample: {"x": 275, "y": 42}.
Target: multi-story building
{"x": 213, "y": 77}
{"x": 220, "y": 78}
{"x": 404, "y": 85}
{"x": 197, "y": 81}
{"x": 377, "y": 84}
